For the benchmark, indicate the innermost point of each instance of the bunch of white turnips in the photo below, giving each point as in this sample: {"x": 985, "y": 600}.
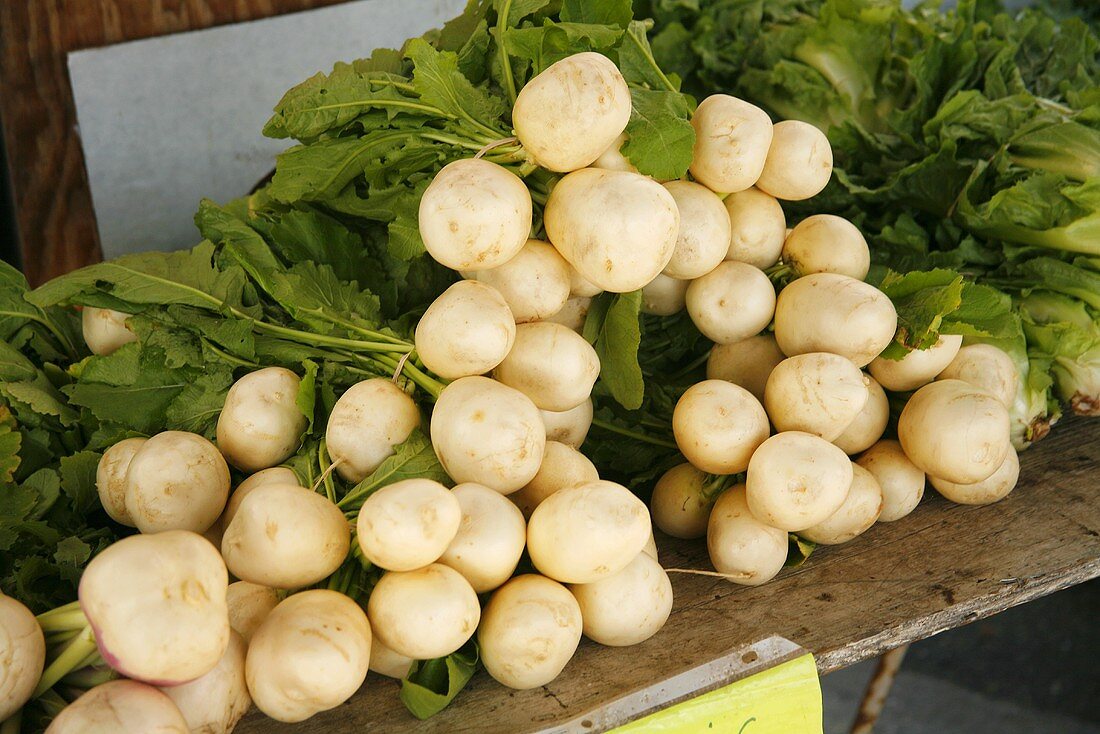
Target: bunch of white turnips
{"x": 786, "y": 403}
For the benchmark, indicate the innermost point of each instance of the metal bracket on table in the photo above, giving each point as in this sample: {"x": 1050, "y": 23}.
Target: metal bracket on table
{"x": 737, "y": 664}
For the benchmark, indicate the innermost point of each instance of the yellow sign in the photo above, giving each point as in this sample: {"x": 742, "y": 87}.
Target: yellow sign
{"x": 785, "y": 699}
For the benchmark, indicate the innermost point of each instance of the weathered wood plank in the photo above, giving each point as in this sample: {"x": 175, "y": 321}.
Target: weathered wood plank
{"x": 53, "y": 205}
{"x": 942, "y": 567}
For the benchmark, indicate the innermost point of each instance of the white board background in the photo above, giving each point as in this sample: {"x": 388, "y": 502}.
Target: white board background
{"x": 166, "y": 121}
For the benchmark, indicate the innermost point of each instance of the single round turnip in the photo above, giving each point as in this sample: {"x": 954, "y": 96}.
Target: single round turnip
{"x": 585, "y": 533}
{"x": 408, "y": 524}
{"x": 367, "y": 422}
{"x": 901, "y": 482}
{"x": 215, "y": 702}
{"x": 954, "y": 431}
{"x": 120, "y": 707}
{"x": 618, "y": 229}
{"x": 487, "y": 433}
{"x": 572, "y": 112}
{"x": 859, "y": 512}
{"x": 261, "y": 424}
{"x": 747, "y": 363}
{"x": 573, "y": 314}
{"x": 731, "y": 303}
{"x": 475, "y": 215}
{"x": 176, "y": 481}
{"x": 534, "y": 283}
{"x": 569, "y": 427}
{"x": 613, "y": 159}
{"x": 286, "y": 537}
{"x": 867, "y": 427}
{"x": 490, "y": 538}
{"x": 731, "y": 143}
{"x": 742, "y": 546}
{"x": 529, "y": 631}
{"x": 818, "y": 393}
{"x": 827, "y": 312}
{"x": 551, "y": 364}
{"x": 157, "y": 606}
{"x": 986, "y": 367}
{"x": 466, "y": 331}
{"x": 799, "y": 162}
{"x": 385, "y": 661}
{"x": 22, "y": 655}
{"x": 110, "y": 478}
{"x": 309, "y": 655}
{"x": 680, "y": 504}
{"x": 664, "y": 296}
{"x": 796, "y": 480}
{"x": 918, "y": 367}
{"x": 105, "y": 330}
{"x": 274, "y": 475}
{"x": 992, "y": 489}
{"x": 718, "y": 426}
{"x": 704, "y": 235}
{"x": 562, "y": 466}
{"x": 424, "y": 614}
{"x": 249, "y": 604}
{"x": 628, "y": 607}
{"x": 825, "y": 243}
{"x": 757, "y": 228}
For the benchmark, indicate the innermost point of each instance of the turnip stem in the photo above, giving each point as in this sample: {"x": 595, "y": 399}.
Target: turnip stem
{"x": 64, "y": 621}
{"x": 75, "y": 652}
{"x": 57, "y": 610}
{"x": 608, "y": 426}
{"x": 89, "y": 677}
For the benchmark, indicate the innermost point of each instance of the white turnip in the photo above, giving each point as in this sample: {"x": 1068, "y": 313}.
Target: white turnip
{"x": 918, "y": 367}
{"x": 261, "y": 424}
{"x": 825, "y": 243}
{"x": 274, "y": 475}
{"x": 718, "y": 426}
{"x": 105, "y": 330}
{"x": 827, "y": 312}
{"x": 490, "y": 537}
{"x": 215, "y": 702}
{"x": 731, "y": 143}
{"x": 385, "y": 661}
{"x": 796, "y": 480}
{"x": 680, "y": 503}
{"x": 176, "y": 481}
{"x": 740, "y": 545}
{"x": 367, "y": 422}
{"x": 704, "y": 235}
{"x": 551, "y": 364}
{"x": 424, "y": 614}
{"x": 110, "y": 478}
{"x": 613, "y": 159}
{"x": 309, "y": 655}
{"x": 992, "y": 489}
{"x": 585, "y": 533}
{"x": 475, "y": 215}
{"x": 529, "y": 631}
{"x": 859, "y": 512}
{"x": 168, "y": 623}
{"x": 757, "y": 228}
{"x": 22, "y": 655}
{"x": 799, "y": 162}
{"x": 986, "y": 367}
{"x": 249, "y": 604}
{"x": 867, "y": 427}
{"x": 955, "y": 431}
{"x": 618, "y": 229}
{"x": 286, "y": 537}
{"x": 731, "y": 303}
{"x": 408, "y": 524}
{"x": 120, "y": 707}
{"x": 901, "y": 482}
{"x": 466, "y": 331}
{"x": 664, "y": 296}
{"x": 572, "y": 112}
{"x": 487, "y": 433}
{"x": 573, "y": 314}
{"x": 628, "y": 607}
{"x": 818, "y": 393}
{"x": 747, "y": 363}
{"x": 562, "y": 466}
{"x": 569, "y": 427}
{"x": 534, "y": 283}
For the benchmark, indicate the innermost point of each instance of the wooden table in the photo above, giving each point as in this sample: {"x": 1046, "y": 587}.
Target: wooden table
{"x": 942, "y": 567}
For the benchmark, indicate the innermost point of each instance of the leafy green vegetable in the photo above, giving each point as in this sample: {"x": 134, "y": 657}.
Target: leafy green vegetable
{"x": 432, "y": 684}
